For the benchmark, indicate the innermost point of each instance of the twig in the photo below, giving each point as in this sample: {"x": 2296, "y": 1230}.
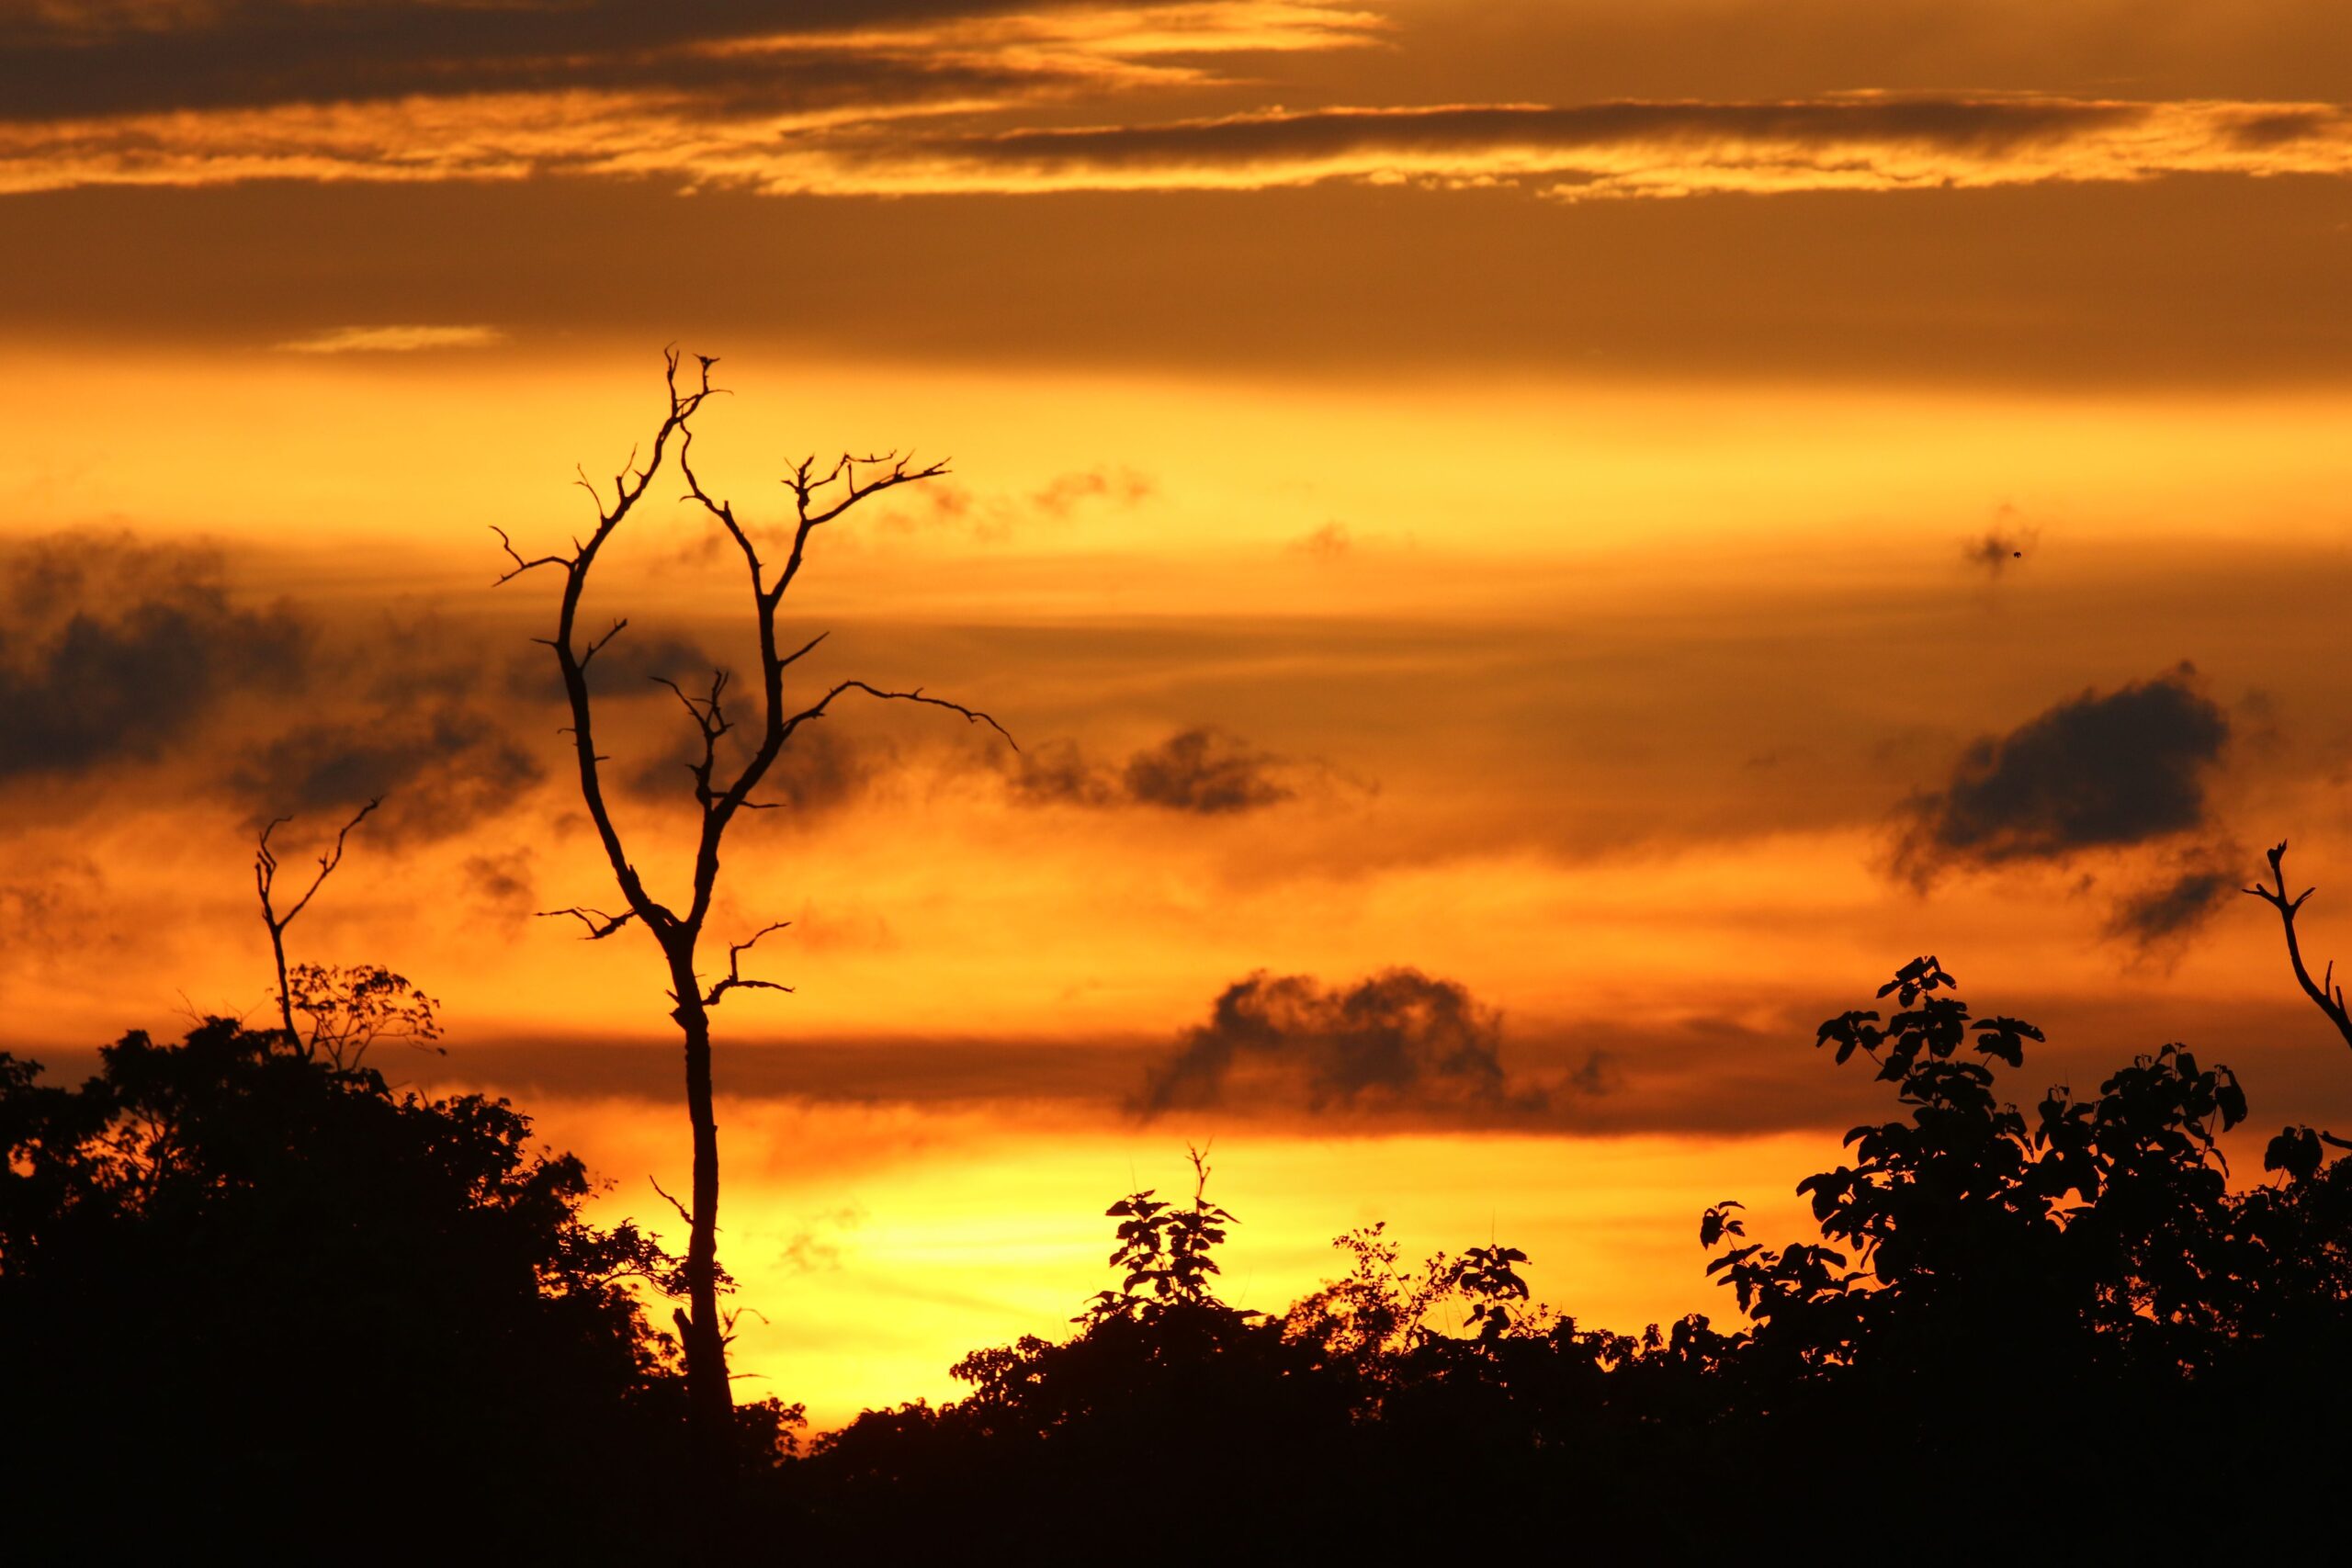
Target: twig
{"x": 600, "y": 924}
{"x": 735, "y": 980}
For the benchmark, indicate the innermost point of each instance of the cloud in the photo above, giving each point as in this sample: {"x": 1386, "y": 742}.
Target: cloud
{"x": 1328, "y": 542}
{"x": 821, "y": 769}
{"x": 58, "y": 906}
{"x": 1056, "y": 772}
{"x": 918, "y": 98}
{"x": 1202, "y": 771}
{"x": 392, "y": 339}
{"x": 2166, "y": 914}
{"x": 503, "y": 883}
{"x": 630, "y": 666}
{"x": 1061, "y": 495}
{"x": 2003, "y": 545}
{"x": 439, "y": 774}
{"x": 117, "y": 652}
{"x": 116, "y": 649}
{"x": 706, "y": 90}
{"x": 993, "y": 519}
{"x": 83, "y": 60}
{"x": 812, "y": 1250}
{"x": 1861, "y": 140}
{"x": 1206, "y": 771}
{"x": 2097, "y": 771}
{"x": 1399, "y": 1042}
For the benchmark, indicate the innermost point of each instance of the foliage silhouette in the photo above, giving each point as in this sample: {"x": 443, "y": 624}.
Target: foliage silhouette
{"x": 254, "y": 1295}
{"x": 2067, "y": 1319}
{"x": 2048, "y": 1332}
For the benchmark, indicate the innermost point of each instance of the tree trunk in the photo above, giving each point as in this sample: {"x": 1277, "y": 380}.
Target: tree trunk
{"x": 711, "y": 1403}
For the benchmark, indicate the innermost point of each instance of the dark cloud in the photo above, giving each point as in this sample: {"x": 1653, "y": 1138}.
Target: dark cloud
{"x": 1978, "y": 126}
{"x": 822, "y": 768}
{"x": 2096, "y": 771}
{"x": 115, "y": 650}
{"x": 2275, "y": 127}
{"x": 504, "y": 883}
{"x": 438, "y": 774}
{"x": 1206, "y": 771}
{"x": 1397, "y": 1043}
{"x": 1202, "y": 771}
{"x": 2003, "y": 545}
{"x": 2165, "y": 915}
{"x": 118, "y": 651}
{"x": 1057, "y": 773}
{"x": 72, "y": 61}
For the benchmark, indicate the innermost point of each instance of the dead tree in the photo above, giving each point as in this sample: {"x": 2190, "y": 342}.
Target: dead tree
{"x": 819, "y": 496}
{"x": 2324, "y": 993}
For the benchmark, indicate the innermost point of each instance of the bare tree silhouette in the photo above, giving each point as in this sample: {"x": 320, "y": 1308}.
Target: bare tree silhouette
{"x": 348, "y": 1010}
{"x": 819, "y": 496}
{"x": 2324, "y": 993}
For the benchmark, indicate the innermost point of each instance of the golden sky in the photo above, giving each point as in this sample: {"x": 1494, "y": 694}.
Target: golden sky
{"x": 1583, "y": 532}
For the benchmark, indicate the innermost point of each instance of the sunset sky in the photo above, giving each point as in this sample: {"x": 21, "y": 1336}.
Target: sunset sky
{"x": 1534, "y": 548}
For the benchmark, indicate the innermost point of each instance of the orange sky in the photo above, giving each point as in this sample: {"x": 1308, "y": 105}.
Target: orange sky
{"x": 1548, "y": 496}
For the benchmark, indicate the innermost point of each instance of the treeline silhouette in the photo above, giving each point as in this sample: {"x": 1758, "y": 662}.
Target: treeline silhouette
{"x": 248, "y": 1294}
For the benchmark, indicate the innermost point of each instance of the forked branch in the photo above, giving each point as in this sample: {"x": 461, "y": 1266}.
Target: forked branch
{"x": 266, "y": 864}
{"x": 600, "y": 924}
{"x": 2324, "y": 993}
{"x": 735, "y": 979}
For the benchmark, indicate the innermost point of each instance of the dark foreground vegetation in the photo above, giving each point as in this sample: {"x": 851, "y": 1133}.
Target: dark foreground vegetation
{"x": 248, "y": 1294}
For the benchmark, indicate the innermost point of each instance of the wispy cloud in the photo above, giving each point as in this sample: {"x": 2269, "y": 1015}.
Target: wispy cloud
{"x": 1849, "y": 141}
{"x": 392, "y": 339}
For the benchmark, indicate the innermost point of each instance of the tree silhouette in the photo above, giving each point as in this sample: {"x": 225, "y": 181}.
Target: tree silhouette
{"x": 821, "y": 495}
{"x": 244, "y": 1290}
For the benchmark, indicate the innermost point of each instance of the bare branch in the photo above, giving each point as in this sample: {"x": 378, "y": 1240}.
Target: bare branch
{"x": 522, "y": 566}
{"x": 600, "y": 924}
{"x": 2324, "y": 993}
{"x": 735, "y": 980}
{"x": 899, "y": 474}
{"x": 673, "y": 1202}
{"x": 598, "y": 646}
{"x": 266, "y": 864}
{"x": 971, "y": 715}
